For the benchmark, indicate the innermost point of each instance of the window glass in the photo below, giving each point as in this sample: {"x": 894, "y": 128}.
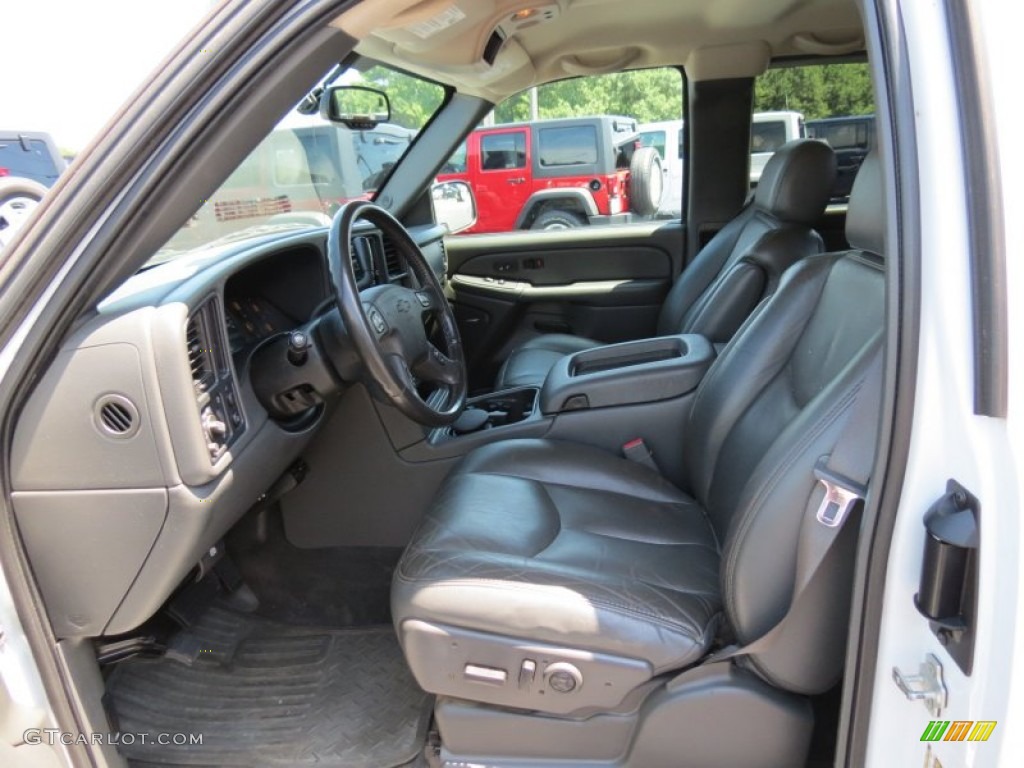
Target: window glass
{"x": 654, "y": 139}
{"x": 36, "y": 163}
{"x": 767, "y": 136}
{"x": 830, "y": 102}
{"x": 246, "y": 175}
{"x": 571, "y": 147}
{"x": 317, "y": 146}
{"x": 503, "y": 151}
{"x": 307, "y": 167}
{"x": 842, "y": 133}
{"x": 457, "y": 162}
{"x": 568, "y": 146}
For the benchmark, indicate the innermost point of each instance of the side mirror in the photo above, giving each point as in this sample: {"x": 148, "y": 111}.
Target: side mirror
{"x": 355, "y": 106}
{"x": 454, "y": 205}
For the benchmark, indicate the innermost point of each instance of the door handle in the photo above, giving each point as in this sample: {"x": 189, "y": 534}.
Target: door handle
{"x": 519, "y": 180}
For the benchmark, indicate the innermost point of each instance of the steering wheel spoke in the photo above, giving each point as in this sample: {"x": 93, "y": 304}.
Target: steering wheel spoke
{"x": 437, "y": 368}
{"x": 426, "y": 300}
{"x": 386, "y": 323}
{"x": 376, "y": 320}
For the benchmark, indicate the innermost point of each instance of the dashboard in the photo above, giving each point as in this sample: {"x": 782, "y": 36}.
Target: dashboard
{"x": 274, "y": 296}
{"x": 146, "y": 435}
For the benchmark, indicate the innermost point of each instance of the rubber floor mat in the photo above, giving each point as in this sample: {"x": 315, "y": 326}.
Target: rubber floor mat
{"x": 267, "y": 694}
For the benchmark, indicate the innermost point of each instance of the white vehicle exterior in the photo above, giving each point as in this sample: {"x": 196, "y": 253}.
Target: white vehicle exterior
{"x": 309, "y": 167}
{"x": 667, "y": 137}
{"x": 770, "y": 130}
{"x": 950, "y": 438}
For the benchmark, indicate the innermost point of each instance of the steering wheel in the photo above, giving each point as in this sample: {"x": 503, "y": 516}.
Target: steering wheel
{"x": 386, "y": 323}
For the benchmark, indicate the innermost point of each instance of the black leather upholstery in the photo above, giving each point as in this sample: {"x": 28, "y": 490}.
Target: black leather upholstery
{"x": 567, "y": 544}
{"x": 528, "y": 366}
{"x": 865, "y": 222}
{"x": 732, "y": 273}
{"x": 571, "y": 545}
{"x": 797, "y": 181}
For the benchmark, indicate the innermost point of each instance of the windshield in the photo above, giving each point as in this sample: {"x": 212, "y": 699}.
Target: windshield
{"x": 307, "y": 167}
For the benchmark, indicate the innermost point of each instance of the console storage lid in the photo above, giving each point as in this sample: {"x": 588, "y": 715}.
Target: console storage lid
{"x": 632, "y": 372}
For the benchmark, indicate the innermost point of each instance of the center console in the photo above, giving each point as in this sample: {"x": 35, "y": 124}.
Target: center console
{"x": 605, "y": 396}
{"x": 641, "y": 371}
{"x": 497, "y": 409}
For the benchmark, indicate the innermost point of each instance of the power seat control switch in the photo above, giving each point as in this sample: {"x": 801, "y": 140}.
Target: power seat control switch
{"x": 487, "y": 675}
{"x": 527, "y": 673}
{"x": 563, "y": 677}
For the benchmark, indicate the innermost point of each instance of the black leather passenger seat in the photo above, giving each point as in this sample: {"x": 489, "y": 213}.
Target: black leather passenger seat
{"x": 561, "y": 579}
{"x": 732, "y": 274}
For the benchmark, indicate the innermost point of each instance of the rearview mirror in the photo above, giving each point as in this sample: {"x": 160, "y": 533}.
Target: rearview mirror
{"x": 355, "y": 106}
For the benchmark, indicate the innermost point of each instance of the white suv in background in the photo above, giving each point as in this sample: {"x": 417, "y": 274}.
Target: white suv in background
{"x": 770, "y": 130}
{"x": 666, "y": 136}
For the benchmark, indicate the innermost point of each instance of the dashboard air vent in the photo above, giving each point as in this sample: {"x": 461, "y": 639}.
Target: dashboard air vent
{"x": 116, "y": 416}
{"x": 199, "y": 358}
{"x": 392, "y": 259}
{"x": 358, "y": 269}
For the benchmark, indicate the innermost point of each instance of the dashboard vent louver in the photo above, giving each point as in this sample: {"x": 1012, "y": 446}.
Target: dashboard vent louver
{"x": 356, "y": 250}
{"x": 116, "y": 416}
{"x": 199, "y": 358}
{"x": 392, "y": 259}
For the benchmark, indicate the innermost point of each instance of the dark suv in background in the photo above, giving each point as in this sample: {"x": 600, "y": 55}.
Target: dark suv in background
{"x": 30, "y": 155}
{"x": 30, "y": 163}
{"x": 557, "y": 174}
{"x": 851, "y": 138}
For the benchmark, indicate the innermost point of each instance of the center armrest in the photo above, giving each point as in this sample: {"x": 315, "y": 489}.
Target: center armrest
{"x": 631, "y": 372}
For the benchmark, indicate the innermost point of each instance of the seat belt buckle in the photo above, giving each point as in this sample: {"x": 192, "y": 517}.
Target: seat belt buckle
{"x": 841, "y": 494}
{"x": 637, "y": 450}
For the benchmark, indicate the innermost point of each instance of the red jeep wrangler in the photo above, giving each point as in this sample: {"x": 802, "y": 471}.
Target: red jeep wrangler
{"x": 557, "y": 174}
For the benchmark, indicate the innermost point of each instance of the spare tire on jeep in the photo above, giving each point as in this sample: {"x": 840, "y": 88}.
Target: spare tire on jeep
{"x": 646, "y": 183}
{"x": 18, "y": 198}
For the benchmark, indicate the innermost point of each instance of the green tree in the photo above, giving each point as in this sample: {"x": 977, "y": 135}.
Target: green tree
{"x": 829, "y": 90}
{"x": 413, "y": 101}
{"x": 647, "y": 95}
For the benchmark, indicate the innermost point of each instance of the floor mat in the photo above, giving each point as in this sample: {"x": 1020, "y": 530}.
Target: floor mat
{"x": 267, "y": 694}
{"x": 326, "y": 587}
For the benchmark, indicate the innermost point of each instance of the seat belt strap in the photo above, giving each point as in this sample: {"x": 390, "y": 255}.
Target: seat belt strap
{"x": 844, "y": 475}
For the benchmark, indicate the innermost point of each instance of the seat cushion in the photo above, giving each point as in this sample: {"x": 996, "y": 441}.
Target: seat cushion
{"x": 528, "y": 365}
{"x": 570, "y": 545}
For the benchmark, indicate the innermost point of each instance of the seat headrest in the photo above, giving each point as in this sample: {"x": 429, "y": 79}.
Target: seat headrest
{"x": 865, "y": 215}
{"x": 797, "y": 181}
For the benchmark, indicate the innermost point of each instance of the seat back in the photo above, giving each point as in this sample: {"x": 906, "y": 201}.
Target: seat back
{"x": 743, "y": 262}
{"x": 773, "y": 404}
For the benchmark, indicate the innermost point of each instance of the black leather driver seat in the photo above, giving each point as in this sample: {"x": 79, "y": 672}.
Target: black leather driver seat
{"x": 538, "y": 550}
{"x": 732, "y": 273}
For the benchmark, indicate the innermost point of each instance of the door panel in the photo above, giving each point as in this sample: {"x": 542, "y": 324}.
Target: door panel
{"x": 605, "y": 283}
{"x": 504, "y": 159}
